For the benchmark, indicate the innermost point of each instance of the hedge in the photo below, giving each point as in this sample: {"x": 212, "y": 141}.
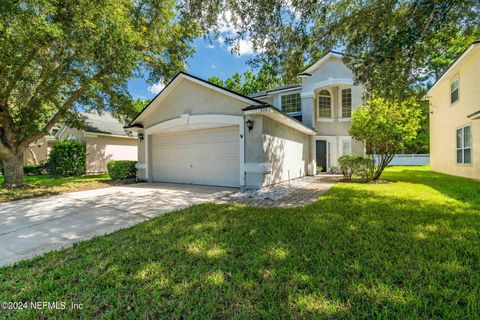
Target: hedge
{"x": 357, "y": 166}
{"x": 122, "y": 170}
{"x": 67, "y": 158}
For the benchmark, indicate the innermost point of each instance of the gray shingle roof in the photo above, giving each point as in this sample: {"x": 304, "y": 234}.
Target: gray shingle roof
{"x": 103, "y": 123}
{"x": 284, "y": 87}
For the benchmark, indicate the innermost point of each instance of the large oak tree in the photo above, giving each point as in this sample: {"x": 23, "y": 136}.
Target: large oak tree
{"x": 58, "y": 56}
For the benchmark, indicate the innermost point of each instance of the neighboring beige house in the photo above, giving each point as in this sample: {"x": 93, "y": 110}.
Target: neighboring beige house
{"x": 198, "y": 133}
{"x": 455, "y": 117}
{"x": 104, "y": 138}
{"x": 38, "y": 151}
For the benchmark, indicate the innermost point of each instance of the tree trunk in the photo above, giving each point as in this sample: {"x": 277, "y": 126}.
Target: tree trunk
{"x": 13, "y": 171}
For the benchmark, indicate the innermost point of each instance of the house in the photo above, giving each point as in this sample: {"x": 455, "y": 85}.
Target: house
{"x": 104, "y": 138}
{"x": 455, "y": 117}
{"x": 196, "y": 132}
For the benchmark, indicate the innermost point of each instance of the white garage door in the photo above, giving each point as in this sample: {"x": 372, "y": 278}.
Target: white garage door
{"x": 208, "y": 156}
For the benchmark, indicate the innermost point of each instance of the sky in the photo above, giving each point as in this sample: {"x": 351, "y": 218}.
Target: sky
{"x": 210, "y": 59}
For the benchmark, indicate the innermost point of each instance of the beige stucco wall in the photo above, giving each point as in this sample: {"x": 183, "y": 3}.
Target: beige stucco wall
{"x": 40, "y": 148}
{"x": 286, "y": 149}
{"x": 194, "y": 99}
{"x": 446, "y": 118}
{"x": 102, "y": 149}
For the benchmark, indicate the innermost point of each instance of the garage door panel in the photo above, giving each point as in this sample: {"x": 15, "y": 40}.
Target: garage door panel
{"x": 209, "y": 157}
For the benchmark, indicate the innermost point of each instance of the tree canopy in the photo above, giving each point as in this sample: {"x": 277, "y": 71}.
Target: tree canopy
{"x": 58, "y": 56}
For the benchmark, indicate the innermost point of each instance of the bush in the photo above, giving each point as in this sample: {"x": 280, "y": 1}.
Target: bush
{"x": 36, "y": 169}
{"x": 68, "y": 158}
{"x": 122, "y": 170}
{"x": 357, "y": 166}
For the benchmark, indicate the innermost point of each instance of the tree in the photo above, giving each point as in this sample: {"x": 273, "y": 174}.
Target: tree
{"x": 139, "y": 105}
{"x": 392, "y": 46}
{"x": 386, "y": 127}
{"x": 249, "y": 83}
{"x": 61, "y": 56}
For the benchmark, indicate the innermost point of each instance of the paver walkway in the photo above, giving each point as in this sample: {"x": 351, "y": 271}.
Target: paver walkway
{"x": 316, "y": 186}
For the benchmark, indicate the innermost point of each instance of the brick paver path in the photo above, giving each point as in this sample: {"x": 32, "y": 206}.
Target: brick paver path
{"x": 315, "y": 187}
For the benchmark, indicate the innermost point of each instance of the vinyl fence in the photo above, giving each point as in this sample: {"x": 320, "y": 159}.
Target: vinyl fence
{"x": 407, "y": 160}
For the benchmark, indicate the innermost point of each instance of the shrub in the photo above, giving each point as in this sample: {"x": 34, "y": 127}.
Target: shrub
{"x": 357, "y": 166}
{"x": 36, "y": 169}
{"x": 68, "y": 158}
{"x": 122, "y": 170}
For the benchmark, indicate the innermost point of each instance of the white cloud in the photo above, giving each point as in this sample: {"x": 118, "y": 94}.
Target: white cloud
{"x": 210, "y": 46}
{"x": 156, "y": 87}
{"x": 243, "y": 47}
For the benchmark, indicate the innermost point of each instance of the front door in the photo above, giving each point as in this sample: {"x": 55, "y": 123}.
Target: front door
{"x": 322, "y": 154}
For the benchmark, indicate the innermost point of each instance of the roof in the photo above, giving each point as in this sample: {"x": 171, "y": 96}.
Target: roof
{"x": 183, "y": 75}
{"x": 280, "y": 116}
{"x": 276, "y": 89}
{"x": 457, "y": 60}
{"x": 103, "y": 123}
{"x": 320, "y": 62}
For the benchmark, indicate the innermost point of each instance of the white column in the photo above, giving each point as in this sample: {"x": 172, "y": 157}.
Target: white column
{"x": 147, "y": 160}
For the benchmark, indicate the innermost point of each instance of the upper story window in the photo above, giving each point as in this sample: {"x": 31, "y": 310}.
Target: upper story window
{"x": 346, "y": 147}
{"x": 346, "y": 103}
{"x": 464, "y": 145}
{"x": 324, "y": 104}
{"x": 291, "y": 103}
{"x": 454, "y": 90}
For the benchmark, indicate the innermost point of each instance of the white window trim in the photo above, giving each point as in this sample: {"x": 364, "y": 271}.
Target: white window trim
{"x": 463, "y": 148}
{"x": 455, "y": 78}
{"x": 332, "y": 107}
{"x": 341, "y": 139}
{"x": 296, "y": 113}
{"x": 340, "y": 118}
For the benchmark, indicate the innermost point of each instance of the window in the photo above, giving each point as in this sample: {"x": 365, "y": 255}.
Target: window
{"x": 464, "y": 145}
{"x": 346, "y": 147}
{"x": 454, "y": 90}
{"x": 346, "y": 103}
{"x": 291, "y": 103}
{"x": 324, "y": 104}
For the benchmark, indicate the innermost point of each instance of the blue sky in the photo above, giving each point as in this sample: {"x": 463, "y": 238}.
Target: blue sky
{"x": 210, "y": 59}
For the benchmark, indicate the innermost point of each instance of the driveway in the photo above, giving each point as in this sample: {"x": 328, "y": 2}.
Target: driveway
{"x": 33, "y": 226}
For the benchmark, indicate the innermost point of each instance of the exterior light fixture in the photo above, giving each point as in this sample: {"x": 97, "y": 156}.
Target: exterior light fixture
{"x": 249, "y": 124}
{"x": 140, "y": 136}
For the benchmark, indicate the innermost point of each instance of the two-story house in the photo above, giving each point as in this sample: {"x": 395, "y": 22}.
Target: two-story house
{"x": 324, "y": 101}
{"x": 455, "y": 117}
{"x": 196, "y": 132}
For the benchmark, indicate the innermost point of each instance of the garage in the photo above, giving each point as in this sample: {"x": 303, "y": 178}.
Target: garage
{"x": 206, "y": 157}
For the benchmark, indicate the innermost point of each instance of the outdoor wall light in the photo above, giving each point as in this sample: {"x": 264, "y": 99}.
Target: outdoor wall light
{"x": 249, "y": 124}
{"x": 140, "y": 136}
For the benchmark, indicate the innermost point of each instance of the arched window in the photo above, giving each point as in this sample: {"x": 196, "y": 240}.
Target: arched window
{"x": 324, "y": 104}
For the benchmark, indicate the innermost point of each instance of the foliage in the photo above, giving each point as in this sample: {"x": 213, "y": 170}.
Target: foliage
{"x": 37, "y": 169}
{"x": 247, "y": 84}
{"x": 319, "y": 169}
{"x": 67, "y": 158}
{"x": 362, "y": 167}
{"x": 140, "y": 104}
{"x": 391, "y": 46}
{"x": 404, "y": 250}
{"x": 386, "y": 127}
{"x": 42, "y": 185}
{"x": 122, "y": 170}
{"x": 333, "y": 169}
{"x": 59, "y": 55}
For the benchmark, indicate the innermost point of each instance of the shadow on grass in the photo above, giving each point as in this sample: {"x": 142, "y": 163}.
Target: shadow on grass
{"x": 355, "y": 253}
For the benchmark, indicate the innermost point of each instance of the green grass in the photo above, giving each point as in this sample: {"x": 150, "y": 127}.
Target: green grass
{"x": 48, "y": 185}
{"x": 403, "y": 250}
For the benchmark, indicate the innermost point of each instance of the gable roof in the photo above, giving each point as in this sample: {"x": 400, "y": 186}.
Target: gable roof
{"x": 276, "y": 89}
{"x": 103, "y": 123}
{"x": 182, "y": 75}
{"x": 320, "y": 62}
{"x": 455, "y": 62}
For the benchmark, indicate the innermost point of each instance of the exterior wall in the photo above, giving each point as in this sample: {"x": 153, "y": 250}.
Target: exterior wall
{"x": 141, "y": 160}
{"x": 446, "y": 118}
{"x": 286, "y": 149}
{"x": 194, "y": 99}
{"x": 267, "y": 99}
{"x": 40, "y": 148}
{"x": 102, "y": 149}
{"x": 69, "y": 133}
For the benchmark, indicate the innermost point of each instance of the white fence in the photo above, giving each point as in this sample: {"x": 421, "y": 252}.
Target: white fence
{"x": 407, "y": 160}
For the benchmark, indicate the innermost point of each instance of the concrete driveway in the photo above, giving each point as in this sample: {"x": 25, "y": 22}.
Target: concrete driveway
{"x": 33, "y": 226}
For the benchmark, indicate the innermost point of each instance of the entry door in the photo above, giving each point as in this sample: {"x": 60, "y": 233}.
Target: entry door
{"x": 322, "y": 154}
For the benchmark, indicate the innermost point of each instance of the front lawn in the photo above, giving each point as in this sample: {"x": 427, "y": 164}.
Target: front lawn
{"x": 48, "y": 185}
{"x": 403, "y": 250}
